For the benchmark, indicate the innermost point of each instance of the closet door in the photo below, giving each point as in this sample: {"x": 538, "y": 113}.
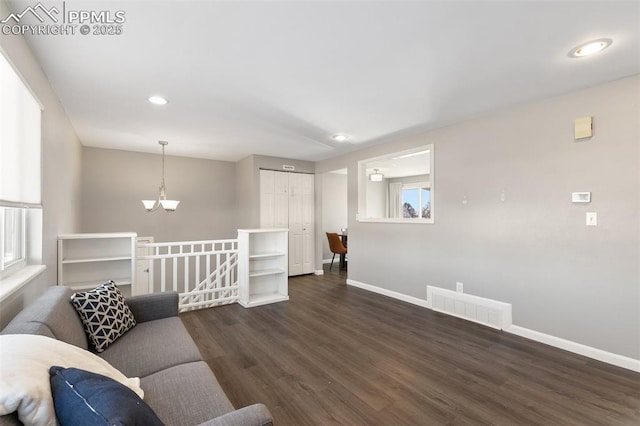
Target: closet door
{"x": 295, "y": 224}
{"x": 308, "y": 223}
{"x": 281, "y": 200}
{"x": 287, "y": 201}
{"x": 267, "y": 199}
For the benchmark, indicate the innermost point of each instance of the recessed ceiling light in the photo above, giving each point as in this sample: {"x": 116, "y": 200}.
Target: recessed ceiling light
{"x": 340, "y": 138}
{"x": 157, "y": 100}
{"x": 590, "y": 48}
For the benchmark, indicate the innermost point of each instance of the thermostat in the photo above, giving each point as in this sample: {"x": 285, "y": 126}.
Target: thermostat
{"x": 580, "y": 197}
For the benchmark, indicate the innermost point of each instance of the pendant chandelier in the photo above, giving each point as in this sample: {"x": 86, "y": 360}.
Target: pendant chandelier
{"x": 376, "y": 176}
{"x": 167, "y": 205}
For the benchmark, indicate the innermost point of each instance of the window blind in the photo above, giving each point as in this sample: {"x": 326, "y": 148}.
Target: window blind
{"x": 20, "y": 141}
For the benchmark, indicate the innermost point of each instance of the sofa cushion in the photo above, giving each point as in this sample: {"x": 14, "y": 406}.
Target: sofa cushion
{"x": 24, "y": 374}
{"x": 152, "y": 346}
{"x": 84, "y": 398}
{"x": 254, "y": 414}
{"x": 187, "y": 394}
{"x": 153, "y": 306}
{"x": 51, "y": 315}
{"x": 104, "y": 313}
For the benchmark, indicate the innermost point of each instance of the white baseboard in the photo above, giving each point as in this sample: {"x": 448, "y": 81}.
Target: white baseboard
{"x": 336, "y": 261}
{"x": 318, "y": 272}
{"x": 578, "y": 348}
{"x": 558, "y": 342}
{"x": 389, "y": 293}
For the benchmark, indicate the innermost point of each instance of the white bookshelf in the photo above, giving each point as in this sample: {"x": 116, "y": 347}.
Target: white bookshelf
{"x": 88, "y": 260}
{"x": 262, "y": 266}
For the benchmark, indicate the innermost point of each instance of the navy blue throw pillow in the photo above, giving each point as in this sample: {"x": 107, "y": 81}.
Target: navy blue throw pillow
{"x": 84, "y": 398}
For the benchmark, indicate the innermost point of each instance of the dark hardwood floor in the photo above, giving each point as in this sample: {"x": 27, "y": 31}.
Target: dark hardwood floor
{"x": 335, "y": 354}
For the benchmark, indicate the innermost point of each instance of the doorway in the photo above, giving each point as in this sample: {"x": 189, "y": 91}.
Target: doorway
{"x": 334, "y": 213}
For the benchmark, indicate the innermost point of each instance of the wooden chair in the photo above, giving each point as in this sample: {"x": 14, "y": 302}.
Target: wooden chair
{"x": 336, "y": 246}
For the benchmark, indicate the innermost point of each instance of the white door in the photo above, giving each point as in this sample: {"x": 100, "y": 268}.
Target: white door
{"x": 295, "y": 224}
{"x": 142, "y": 267}
{"x": 281, "y": 200}
{"x": 287, "y": 201}
{"x": 267, "y": 199}
{"x": 308, "y": 224}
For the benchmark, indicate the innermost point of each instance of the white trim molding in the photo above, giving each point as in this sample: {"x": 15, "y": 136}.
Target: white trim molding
{"x": 388, "y": 293}
{"x": 336, "y": 260}
{"x": 557, "y": 342}
{"x": 19, "y": 279}
{"x": 318, "y": 272}
{"x": 577, "y": 348}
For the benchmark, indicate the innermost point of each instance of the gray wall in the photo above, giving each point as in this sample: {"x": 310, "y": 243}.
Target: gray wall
{"x": 248, "y": 198}
{"x": 61, "y": 168}
{"x": 334, "y": 207}
{"x": 114, "y": 182}
{"x": 533, "y": 249}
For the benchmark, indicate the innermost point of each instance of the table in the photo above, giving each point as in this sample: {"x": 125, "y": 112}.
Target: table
{"x": 343, "y": 257}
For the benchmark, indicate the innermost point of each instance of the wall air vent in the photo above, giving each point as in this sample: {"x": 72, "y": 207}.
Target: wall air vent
{"x": 473, "y": 308}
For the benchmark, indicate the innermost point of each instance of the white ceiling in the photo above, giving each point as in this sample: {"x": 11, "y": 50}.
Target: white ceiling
{"x": 280, "y": 78}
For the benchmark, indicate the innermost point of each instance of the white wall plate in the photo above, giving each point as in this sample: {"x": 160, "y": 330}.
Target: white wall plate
{"x": 581, "y": 197}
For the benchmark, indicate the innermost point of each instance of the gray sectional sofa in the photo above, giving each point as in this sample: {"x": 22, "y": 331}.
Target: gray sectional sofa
{"x": 179, "y": 386}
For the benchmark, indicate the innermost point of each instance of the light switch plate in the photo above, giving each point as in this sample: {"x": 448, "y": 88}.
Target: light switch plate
{"x": 592, "y": 219}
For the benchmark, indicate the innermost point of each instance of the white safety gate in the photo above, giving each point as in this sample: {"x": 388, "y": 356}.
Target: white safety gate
{"x": 204, "y": 273}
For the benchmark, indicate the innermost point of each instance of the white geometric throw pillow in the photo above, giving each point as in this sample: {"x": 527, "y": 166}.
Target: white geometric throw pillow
{"x": 104, "y": 313}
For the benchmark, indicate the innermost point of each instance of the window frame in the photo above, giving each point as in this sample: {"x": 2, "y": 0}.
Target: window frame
{"x": 17, "y": 272}
{"x": 419, "y": 186}
{"x": 20, "y": 234}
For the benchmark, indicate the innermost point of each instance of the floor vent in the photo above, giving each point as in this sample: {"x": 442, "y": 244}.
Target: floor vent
{"x": 473, "y": 308}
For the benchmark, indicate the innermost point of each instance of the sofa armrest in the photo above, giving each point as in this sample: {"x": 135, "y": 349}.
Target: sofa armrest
{"x": 149, "y": 307}
{"x": 251, "y": 415}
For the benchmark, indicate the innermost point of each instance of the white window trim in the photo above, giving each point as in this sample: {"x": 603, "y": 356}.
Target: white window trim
{"x": 12, "y": 268}
{"x": 15, "y": 265}
{"x": 19, "y": 279}
{"x": 21, "y": 273}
